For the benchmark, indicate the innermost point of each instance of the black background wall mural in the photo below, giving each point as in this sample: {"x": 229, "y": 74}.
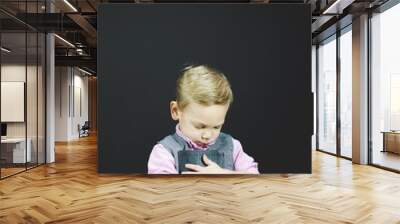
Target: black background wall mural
{"x": 264, "y": 50}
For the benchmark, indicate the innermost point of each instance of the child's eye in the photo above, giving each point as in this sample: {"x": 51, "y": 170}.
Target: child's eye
{"x": 218, "y": 127}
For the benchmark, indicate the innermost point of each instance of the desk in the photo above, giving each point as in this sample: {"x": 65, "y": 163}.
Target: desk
{"x": 391, "y": 141}
{"x": 13, "y": 150}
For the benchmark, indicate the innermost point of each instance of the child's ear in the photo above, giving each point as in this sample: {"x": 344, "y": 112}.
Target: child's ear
{"x": 174, "y": 110}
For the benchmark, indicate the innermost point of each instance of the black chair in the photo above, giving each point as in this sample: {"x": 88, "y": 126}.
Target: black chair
{"x": 84, "y": 130}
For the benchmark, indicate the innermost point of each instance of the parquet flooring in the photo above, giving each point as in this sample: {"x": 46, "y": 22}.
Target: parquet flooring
{"x": 71, "y": 191}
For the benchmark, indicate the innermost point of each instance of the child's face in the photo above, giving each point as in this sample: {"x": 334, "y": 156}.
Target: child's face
{"x": 202, "y": 124}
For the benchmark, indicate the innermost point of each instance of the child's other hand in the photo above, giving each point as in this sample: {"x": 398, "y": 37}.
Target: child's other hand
{"x": 210, "y": 168}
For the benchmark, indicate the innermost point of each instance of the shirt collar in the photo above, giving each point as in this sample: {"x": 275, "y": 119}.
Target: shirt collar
{"x": 189, "y": 141}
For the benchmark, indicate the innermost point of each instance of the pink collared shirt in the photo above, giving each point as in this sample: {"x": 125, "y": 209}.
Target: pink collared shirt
{"x": 161, "y": 160}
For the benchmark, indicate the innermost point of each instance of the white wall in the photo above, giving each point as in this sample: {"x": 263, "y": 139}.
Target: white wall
{"x": 12, "y": 73}
{"x": 16, "y": 73}
{"x": 33, "y": 127}
{"x": 62, "y": 81}
{"x": 71, "y": 93}
{"x": 81, "y": 104}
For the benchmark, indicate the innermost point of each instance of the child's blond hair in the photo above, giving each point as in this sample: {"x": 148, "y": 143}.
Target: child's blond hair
{"x": 203, "y": 85}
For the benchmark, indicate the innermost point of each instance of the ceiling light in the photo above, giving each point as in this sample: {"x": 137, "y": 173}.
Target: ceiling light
{"x": 86, "y": 72}
{"x": 70, "y": 5}
{"x": 65, "y": 41}
{"x": 338, "y": 6}
{"x": 5, "y": 50}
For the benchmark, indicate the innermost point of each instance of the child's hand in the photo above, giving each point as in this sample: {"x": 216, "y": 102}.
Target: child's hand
{"x": 211, "y": 168}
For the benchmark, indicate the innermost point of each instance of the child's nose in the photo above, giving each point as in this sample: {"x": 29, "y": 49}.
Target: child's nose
{"x": 206, "y": 135}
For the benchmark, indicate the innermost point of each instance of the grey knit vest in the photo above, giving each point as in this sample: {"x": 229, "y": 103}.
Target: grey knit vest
{"x": 221, "y": 152}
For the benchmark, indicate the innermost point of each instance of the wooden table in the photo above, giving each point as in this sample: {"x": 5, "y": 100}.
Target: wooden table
{"x": 391, "y": 141}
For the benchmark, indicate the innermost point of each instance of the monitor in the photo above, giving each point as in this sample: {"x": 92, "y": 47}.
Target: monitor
{"x": 3, "y": 129}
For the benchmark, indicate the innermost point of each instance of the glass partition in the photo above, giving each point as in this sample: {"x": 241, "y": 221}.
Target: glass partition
{"x": 14, "y": 153}
{"x": 22, "y": 88}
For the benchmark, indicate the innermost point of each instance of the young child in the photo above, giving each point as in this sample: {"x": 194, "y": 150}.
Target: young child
{"x": 203, "y": 97}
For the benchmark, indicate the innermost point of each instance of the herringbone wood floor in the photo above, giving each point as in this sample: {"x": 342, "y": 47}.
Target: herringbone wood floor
{"x": 71, "y": 191}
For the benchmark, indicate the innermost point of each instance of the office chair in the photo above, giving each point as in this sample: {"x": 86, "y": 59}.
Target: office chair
{"x": 84, "y": 130}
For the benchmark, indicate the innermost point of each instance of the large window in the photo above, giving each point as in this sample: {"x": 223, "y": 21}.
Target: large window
{"x": 346, "y": 93}
{"x": 327, "y": 95}
{"x": 385, "y": 88}
{"x": 335, "y": 94}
